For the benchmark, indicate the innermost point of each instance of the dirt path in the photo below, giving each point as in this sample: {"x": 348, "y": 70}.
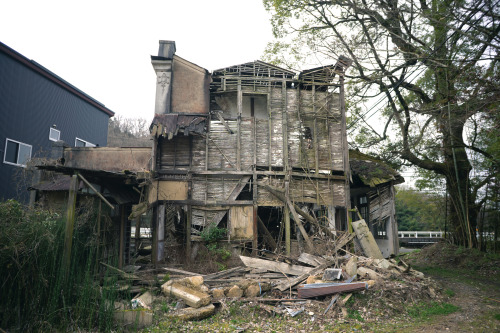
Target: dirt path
{"x": 478, "y": 301}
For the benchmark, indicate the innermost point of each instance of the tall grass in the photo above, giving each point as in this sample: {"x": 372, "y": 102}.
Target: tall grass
{"x": 38, "y": 294}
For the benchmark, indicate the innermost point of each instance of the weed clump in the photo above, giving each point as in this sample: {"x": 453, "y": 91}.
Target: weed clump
{"x": 38, "y": 292}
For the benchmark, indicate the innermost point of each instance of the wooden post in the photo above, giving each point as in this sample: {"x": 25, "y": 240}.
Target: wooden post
{"x": 99, "y": 207}
{"x": 122, "y": 236}
{"x": 70, "y": 222}
{"x": 137, "y": 233}
{"x": 287, "y": 221}
{"x": 160, "y": 236}
{"x": 270, "y": 127}
{"x": 345, "y": 147}
{"x": 188, "y": 232}
{"x": 240, "y": 111}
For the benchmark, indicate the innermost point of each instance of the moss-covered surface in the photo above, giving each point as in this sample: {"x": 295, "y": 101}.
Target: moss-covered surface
{"x": 372, "y": 171}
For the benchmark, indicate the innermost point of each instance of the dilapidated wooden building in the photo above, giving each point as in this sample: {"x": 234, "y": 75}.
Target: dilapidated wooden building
{"x": 255, "y": 149}
{"x": 372, "y": 192}
{"x": 246, "y": 147}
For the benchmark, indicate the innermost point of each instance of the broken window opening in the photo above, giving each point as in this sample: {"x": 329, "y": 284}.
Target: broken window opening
{"x": 380, "y": 228}
{"x": 308, "y": 137}
{"x": 246, "y": 193}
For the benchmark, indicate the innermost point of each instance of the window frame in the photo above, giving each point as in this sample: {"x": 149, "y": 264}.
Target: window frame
{"x": 19, "y": 143}
{"x": 87, "y": 144}
{"x": 56, "y": 130}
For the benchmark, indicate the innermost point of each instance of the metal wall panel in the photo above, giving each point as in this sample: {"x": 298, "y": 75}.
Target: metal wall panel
{"x": 29, "y": 105}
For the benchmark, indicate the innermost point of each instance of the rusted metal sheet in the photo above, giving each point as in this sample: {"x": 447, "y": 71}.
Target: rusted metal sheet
{"x": 108, "y": 159}
{"x": 324, "y": 289}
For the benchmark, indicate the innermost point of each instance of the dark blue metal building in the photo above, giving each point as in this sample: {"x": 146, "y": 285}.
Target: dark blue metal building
{"x": 37, "y": 108}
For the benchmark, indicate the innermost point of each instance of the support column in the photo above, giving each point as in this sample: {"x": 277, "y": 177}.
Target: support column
{"x": 188, "y": 233}
{"x": 287, "y": 220}
{"x": 160, "y": 233}
{"x": 70, "y": 222}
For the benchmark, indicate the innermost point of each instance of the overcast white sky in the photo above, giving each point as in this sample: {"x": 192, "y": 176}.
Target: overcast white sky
{"x": 104, "y": 47}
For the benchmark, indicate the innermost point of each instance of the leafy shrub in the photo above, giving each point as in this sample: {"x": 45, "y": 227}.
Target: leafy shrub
{"x": 212, "y": 233}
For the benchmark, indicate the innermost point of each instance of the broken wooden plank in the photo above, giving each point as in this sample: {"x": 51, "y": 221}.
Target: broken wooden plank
{"x": 125, "y": 275}
{"x": 293, "y": 282}
{"x": 226, "y": 273}
{"x": 366, "y": 240}
{"x": 310, "y": 259}
{"x": 299, "y": 211}
{"x": 275, "y": 266}
{"x": 180, "y": 271}
{"x": 268, "y": 238}
{"x": 96, "y": 191}
{"x": 334, "y": 299}
{"x": 331, "y": 289}
{"x": 223, "y": 121}
{"x": 343, "y": 240}
{"x": 296, "y": 218}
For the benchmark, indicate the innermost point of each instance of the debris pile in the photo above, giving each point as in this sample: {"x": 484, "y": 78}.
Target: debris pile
{"x": 319, "y": 285}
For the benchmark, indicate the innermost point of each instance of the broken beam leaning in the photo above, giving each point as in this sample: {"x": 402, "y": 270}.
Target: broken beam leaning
{"x": 331, "y": 289}
{"x": 275, "y": 266}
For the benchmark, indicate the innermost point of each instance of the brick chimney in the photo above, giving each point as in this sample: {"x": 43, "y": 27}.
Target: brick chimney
{"x": 162, "y": 65}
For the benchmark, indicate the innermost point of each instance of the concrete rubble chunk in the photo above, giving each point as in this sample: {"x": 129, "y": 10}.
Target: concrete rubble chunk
{"x": 351, "y": 267}
{"x": 192, "y": 297}
{"x": 235, "y": 292}
{"x": 253, "y": 291}
{"x": 143, "y": 301}
{"x": 331, "y": 274}
{"x": 370, "y": 273}
{"x": 218, "y": 293}
{"x": 135, "y": 318}
{"x": 192, "y": 313}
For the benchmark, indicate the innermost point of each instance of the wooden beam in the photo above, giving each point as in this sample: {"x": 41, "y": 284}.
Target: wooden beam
{"x": 366, "y": 240}
{"x": 225, "y": 173}
{"x": 308, "y": 217}
{"x": 70, "y": 222}
{"x": 275, "y": 266}
{"x": 291, "y": 208}
{"x": 240, "y": 111}
{"x": 286, "y": 215}
{"x": 268, "y": 238}
{"x": 223, "y": 121}
{"x": 188, "y": 232}
{"x": 122, "y": 236}
{"x": 96, "y": 192}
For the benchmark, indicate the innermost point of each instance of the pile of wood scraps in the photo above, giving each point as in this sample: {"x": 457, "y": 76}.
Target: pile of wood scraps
{"x": 319, "y": 285}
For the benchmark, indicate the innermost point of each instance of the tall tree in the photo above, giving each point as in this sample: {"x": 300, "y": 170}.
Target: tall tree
{"x": 434, "y": 62}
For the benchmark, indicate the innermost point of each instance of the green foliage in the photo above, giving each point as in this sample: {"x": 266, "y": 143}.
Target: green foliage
{"x": 423, "y": 95}
{"x": 425, "y": 310}
{"x": 419, "y": 211}
{"x": 212, "y": 233}
{"x": 38, "y": 292}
